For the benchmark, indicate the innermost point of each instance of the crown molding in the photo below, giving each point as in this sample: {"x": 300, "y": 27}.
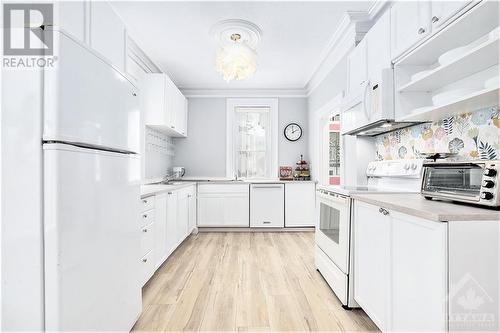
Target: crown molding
{"x": 352, "y": 28}
{"x": 350, "y": 31}
{"x": 218, "y": 93}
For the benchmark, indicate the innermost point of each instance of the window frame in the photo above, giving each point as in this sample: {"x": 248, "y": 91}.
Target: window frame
{"x": 272, "y": 157}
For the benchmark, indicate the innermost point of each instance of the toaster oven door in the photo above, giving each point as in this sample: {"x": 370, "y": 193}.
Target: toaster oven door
{"x": 461, "y": 181}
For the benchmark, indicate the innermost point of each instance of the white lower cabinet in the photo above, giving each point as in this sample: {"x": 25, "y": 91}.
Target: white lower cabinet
{"x": 223, "y": 205}
{"x": 161, "y": 228}
{"x": 400, "y": 269}
{"x": 165, "y": 223}
{"x": 171, "y": 236}
{"x": 419, "y": 274}
{"x": 300, "y": 201}
{"x": 372, "y": 262}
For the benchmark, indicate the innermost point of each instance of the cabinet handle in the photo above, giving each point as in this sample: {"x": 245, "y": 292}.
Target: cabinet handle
{"x": 145, "y": 216}
{"x": 145, "y": 230}
{"x": 434, "y": 19}
{"x": 144, "y": 201}
{"x": 383, "y": 211}
{"x": 169, "y": 193}
{"x": 266, "y": 222}
{"x": 173, "y": 127}
{"x": 421, "y": 31}
{"x": 134, "y": 94}
{"x": 145, "y": 260}
{"x": 189, "y": 195}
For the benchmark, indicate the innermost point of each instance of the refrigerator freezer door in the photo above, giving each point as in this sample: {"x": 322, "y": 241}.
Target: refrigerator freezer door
{"x": 88, "y": 101}
{"x": 92, "y": 239}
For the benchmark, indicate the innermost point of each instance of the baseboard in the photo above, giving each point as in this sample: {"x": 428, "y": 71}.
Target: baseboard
{"x": 245, "y": 229}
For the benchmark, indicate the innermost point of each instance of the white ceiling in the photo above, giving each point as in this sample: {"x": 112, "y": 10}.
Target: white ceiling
{"x": 175, "y": 35}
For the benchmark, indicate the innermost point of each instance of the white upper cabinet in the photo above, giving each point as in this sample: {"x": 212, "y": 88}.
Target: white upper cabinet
{"x": 107, "y": 33}
{"x": 163, "y": 105}
{"x": 442, "y": 11}
{"x": 378, "y": 44}
{"x": 356, "y": 69}
{"x": 410, "y": 23}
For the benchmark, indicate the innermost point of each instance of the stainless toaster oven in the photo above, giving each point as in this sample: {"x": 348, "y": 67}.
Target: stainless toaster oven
{"x": 474, "y": 182}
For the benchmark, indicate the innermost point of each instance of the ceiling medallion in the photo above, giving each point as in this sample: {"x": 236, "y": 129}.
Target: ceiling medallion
{"x": 236, "y": 57}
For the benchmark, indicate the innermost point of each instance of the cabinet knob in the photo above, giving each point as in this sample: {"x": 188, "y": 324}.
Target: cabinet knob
{"x": 144, "y": 230}
{"x": 189, "y": 195}
{"x": 380, "y": 210}
{"x": 421, "y": 31}
{"x": 134, "y": 94}
{"x": 434, "y": 19}
{"x": 169, "y": 193}
{"x": 173, "y": 127}
{"x": 144, "y": 201}
{"x": 144, "y": 216}
{"x": 145, "y": 260}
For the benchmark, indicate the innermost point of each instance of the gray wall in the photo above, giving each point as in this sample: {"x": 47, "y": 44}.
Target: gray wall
{"x": 203, "y": 152}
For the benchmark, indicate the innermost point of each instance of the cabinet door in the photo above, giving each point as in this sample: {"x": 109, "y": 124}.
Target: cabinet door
{"x": 171, "y": 221}
{"x": 442, "y": 11}
{"x": 410, "y": 23}
{"x": 223, "y": 210}
{"x": 356, "y": 69}
{"x": 107, "y": 33}
{"x": 160, "y": 244}
{"x": 419, "y": 274}
{"x": 192, "y": 209}
{"x": 170, "y": 104}
{"x": 300, "y": 200}
{"x": 372, "y": 232}
{"x": 378, "y": 44}
{"x": 182, "y": 216}
{"x": 154, "y": 100}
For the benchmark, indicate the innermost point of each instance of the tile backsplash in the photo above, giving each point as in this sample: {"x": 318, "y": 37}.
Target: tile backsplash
{"x": 159, "y": 154}
{"x": 472, "y": 135}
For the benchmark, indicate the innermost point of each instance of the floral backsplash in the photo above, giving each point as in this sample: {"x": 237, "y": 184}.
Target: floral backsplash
{"x": 472, "y": 135}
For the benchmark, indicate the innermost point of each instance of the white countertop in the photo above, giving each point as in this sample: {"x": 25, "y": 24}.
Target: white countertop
{"x": 415, "y": 204}
{"x": 243, "y": 181}
{"x": 152, "y": 189}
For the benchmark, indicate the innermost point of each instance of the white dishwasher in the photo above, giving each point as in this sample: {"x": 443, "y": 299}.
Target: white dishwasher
{"x": 267, "y": 205}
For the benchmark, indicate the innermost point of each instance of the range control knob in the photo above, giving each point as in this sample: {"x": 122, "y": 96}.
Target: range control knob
{"x": 488, "y": 183}
{"x": 414, "y": 166}
{"x": 487, "y": 195}
{"x": 490, "y": 172}
{"x": 406, "y": 166}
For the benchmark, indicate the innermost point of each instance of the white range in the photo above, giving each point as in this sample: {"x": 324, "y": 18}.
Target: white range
{"x": 333, "y": 252}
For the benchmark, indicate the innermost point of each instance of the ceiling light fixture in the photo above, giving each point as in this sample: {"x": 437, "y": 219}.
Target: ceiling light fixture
{"x": 236, "y": 58}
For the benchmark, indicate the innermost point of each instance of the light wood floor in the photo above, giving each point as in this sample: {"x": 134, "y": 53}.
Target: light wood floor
{"x": 244, "y": 282}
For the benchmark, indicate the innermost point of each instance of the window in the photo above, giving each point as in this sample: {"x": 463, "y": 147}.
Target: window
{"x": 334, "y": 150}
{"x": 251, "y": 144}
{"x": 252, "y": 138}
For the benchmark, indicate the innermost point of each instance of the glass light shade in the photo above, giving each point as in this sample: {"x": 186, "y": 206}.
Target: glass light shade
{"x": 236, "y": 61}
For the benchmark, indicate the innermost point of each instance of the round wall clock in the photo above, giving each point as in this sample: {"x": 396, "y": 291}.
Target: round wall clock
{"x": 292, "y": 132}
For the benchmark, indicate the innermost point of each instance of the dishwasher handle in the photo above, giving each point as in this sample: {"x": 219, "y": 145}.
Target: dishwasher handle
{"x": 268, "y": 186}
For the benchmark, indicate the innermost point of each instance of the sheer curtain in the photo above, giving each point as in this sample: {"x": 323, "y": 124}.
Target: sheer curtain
{"x": 253, "y": 142}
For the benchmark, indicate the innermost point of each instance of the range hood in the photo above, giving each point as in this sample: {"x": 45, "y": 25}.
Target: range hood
{"x": 380, "y": 127}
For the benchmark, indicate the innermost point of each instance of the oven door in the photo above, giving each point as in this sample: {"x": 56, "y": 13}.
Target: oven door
{"x": 460, "y": 181}
{"x": 332, "y": 228}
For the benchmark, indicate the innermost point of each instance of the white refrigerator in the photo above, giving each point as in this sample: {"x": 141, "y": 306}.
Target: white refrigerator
{"x": 79, "y": 265}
